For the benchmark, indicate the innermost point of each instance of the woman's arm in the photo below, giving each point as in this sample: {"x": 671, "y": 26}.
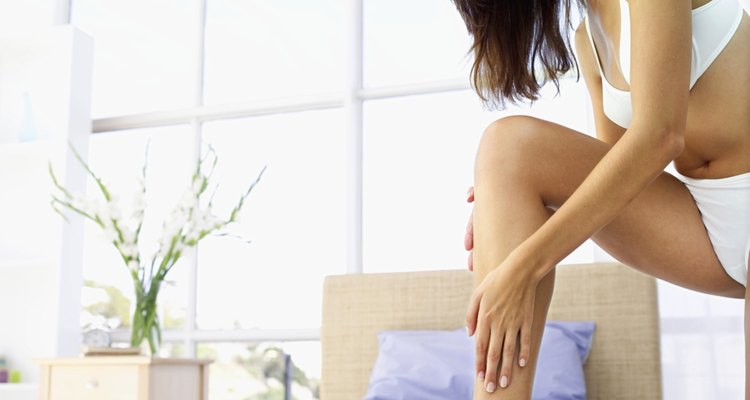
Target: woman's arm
{"x": 660, "y": 76}
{"x": 606, "y": 130}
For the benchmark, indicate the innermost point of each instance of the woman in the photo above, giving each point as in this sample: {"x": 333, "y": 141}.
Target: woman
{"x": 668, "y": 81}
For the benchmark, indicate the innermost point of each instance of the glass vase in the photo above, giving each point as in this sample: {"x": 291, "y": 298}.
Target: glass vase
{"x": 145, "y": 326}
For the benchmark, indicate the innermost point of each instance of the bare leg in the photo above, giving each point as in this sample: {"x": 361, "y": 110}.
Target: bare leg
{"x": 508, "y": 209}
{"x": 526, "y": 166}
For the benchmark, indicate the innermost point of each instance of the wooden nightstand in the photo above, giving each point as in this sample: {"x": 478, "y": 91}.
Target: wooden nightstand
{"x": 123, "y": 378}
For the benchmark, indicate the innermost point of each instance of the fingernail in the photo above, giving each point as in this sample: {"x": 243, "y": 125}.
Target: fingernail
{"x": 522, "y": 362}
{"x": 480, "y": 375}
{"x": 490, "y": 387}
{"x": 504, "y": 382}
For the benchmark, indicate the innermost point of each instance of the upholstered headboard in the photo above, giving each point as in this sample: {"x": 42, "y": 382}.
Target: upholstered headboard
{"x": 624, "y": 360}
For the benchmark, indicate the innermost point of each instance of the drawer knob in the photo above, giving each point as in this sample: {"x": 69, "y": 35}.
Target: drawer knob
{"x": 92, "y": 384}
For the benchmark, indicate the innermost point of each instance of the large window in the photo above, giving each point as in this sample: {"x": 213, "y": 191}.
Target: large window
{"x": 180, "y": 76}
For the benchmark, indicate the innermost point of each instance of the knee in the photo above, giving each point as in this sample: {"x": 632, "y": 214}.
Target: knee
{"x": 508, "y": 145}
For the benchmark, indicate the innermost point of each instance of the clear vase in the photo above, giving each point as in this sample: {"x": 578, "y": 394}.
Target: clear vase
{"x": 145, "y": 327}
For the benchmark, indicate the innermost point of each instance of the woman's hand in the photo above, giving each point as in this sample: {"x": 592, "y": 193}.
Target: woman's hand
{"x": 500, "y": 311}
{"x": 469, "y": 238}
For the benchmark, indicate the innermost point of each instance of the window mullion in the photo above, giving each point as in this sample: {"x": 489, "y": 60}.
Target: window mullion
{"x": 62, "y": 12}
{"x": 192, "y": 308}
{"x": 354, "y": 135}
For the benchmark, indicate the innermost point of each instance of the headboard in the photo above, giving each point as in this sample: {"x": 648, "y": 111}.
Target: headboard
{"x": 624, "y": 362}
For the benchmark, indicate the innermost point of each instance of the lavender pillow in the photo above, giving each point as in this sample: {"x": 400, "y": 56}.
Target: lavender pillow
{"x": 417, "y": 365}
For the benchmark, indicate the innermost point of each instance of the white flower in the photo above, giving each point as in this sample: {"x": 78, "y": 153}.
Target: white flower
{"x": 95, "y": 208}
{"x": 197, "y": 185}
{"x": 174, "y": 225}
{"x": 113, "y": 211}
{"x": 129, "y": 250}
{"x": 197, "y": 220}
{"x": 133, "y": 265}
{"x": 138, "y": 215}
{"x": 79, "y": 202}
{"x": 192, "y": 236}
{"x": 209, "y": 219}
{"x": 109, "y": 234}
{"x": 92, "y": 207}
{"x": 139, "y": 205}
{"x": 162, "y": 251}
{"x": 188, "y": 200}
{"x": 128, "y": 235}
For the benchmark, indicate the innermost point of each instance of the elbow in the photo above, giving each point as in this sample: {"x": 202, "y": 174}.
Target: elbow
{"x": 668, "y": 144}
{"x": 666, "y": 137}
{"x": 673, "y": 143}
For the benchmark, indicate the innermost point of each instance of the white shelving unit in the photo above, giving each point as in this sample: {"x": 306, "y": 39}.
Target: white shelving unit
{"x": 45, "y": 102}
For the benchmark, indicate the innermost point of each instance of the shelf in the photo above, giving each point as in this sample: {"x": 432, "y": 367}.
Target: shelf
{"x": 26, "y": 263}
{"x": 36, "y": 145}
{"x": 18, "y": 387}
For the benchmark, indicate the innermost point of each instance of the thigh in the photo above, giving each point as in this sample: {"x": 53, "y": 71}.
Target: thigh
{"x": 660, "y": 232}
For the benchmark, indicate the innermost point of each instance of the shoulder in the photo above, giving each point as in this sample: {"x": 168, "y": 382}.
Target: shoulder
{"x": 581, "y": 33}
{"x": 584, "y": 51}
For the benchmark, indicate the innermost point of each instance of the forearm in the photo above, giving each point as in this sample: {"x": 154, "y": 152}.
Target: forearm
{"x": 636, "y": 160}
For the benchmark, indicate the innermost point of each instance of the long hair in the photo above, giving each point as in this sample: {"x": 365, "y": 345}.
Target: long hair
{"x": 514, "y": 42}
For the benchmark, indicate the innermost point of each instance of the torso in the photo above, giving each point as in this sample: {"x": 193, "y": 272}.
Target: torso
{"x": 717, "y": 137}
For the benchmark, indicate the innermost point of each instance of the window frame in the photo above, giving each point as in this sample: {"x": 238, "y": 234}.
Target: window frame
{"x": 351, "y": 100}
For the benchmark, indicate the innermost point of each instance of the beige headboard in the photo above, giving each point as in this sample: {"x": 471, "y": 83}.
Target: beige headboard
{"x": 624, "y": 359}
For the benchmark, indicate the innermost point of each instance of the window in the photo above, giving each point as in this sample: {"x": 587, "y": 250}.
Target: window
{"x": 293, "y": 221}
{"x": 144, "y": 53}
{"x": 259, "y": 50}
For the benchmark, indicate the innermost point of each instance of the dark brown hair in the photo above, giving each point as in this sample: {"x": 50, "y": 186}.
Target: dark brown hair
{"x": 512, "y": 38}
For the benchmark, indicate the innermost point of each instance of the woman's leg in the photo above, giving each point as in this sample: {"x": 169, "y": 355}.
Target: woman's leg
{"x": 525, "y": 167}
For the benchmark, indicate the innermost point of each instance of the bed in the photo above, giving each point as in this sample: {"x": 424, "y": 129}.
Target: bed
{"x": 624, "y": 362}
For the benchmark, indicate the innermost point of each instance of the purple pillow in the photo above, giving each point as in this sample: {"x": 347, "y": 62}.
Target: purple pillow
{"x": 434, "y": 365}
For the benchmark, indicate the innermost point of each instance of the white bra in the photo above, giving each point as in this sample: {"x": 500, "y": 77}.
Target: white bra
{"x": 714, "y": 24}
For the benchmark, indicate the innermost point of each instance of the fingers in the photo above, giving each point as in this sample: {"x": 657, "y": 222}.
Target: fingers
{"x": 469, "y": 237}
{"x": 509, "y": 353}
{"x": 493, "y": 355}
{"x": 481, "y": 339}
{"x": 525, "y": 334}
{"x": 471, "y": 313}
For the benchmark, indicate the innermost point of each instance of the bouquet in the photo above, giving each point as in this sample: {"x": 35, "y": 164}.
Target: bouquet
{"x": 188, "y": 223}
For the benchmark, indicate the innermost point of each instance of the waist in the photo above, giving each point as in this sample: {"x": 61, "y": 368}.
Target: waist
{"x": 742, "y": 179}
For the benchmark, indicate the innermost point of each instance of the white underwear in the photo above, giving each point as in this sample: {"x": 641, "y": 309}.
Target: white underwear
{"x": 724, "y": 204}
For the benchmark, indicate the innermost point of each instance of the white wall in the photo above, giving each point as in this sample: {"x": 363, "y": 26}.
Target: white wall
{"x": 30, "y": 15}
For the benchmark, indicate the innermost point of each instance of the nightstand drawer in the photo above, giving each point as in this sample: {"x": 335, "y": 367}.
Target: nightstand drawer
{"x": 123, "y": 378}
{"x": 99, "y": 382}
